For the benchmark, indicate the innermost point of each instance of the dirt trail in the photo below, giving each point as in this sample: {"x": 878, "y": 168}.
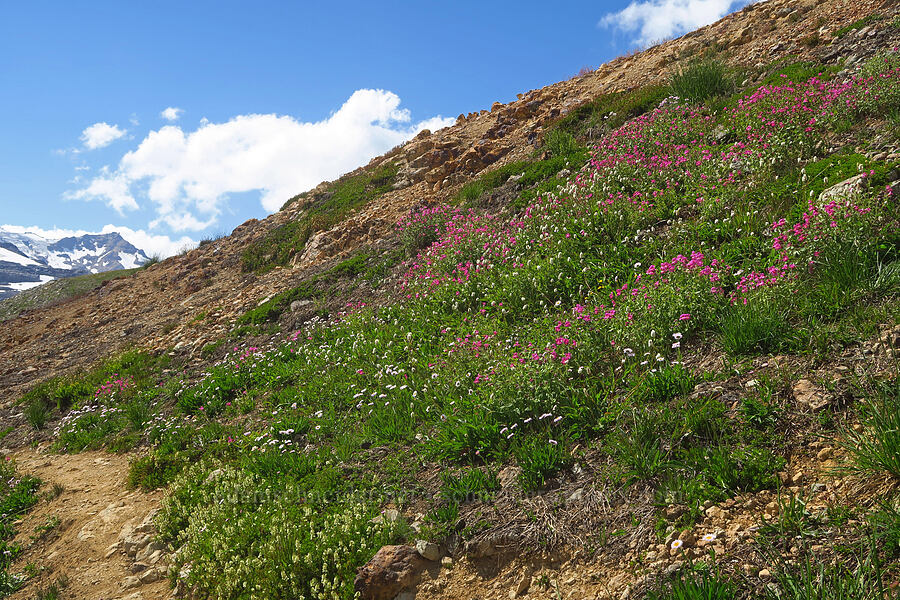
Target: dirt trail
{"x": 93, "y": 509}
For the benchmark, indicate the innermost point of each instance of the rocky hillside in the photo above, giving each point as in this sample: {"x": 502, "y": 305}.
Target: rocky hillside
{"x": 632, "y": 335}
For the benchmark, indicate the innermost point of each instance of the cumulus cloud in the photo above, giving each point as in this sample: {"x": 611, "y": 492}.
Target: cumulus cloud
{"x": 152, "y": 245}
{"x": 189, "y": 175}
{"x": 171, "y": 114}
{"x": 114, "y": 188}
{"x": 100, "y": 135}
{"x": 655, "y": 20}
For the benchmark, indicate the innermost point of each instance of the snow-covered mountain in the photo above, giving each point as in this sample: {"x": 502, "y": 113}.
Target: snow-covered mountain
{"x": 29, "y": 259}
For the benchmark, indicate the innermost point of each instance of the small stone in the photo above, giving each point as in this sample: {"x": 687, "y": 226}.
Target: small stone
{"x": 150, "y": 576}
{"x": 524, "y": 584}
{"x": 390, "y": 515}
{"x": 428, "y": 550}
{"x": 687, "y": 537}
{"x": 764, "y": 574}
{"x": 134, "y": 543}
{"x": 673, "y": 512}
{"x": 113, "y": 548}
{"x": 714, "y": 512}
{"x": 129, "y": 583}
{"x": 447, "y": 562}
{"x": 809, "y": 394}
{"x": 296, "y": 305}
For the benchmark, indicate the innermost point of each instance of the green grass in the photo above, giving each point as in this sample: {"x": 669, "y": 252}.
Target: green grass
{"x": 694, "y": 452}
{"x": 859, "y": 24}
{"x": 37, "y": 413}
{"x": 326, "y": 210}
{"x": 271, "y": 309}
{"x": 472, "y": 485}
{"x": 610, "y": 111}
{"x": 761, "y": 327}
{"x": 535, "y": 178}
{"x": 55, "y": 291}
{"x": 124, "y": 390}
{"x": 352, "y": 266}
{"x": 701, "y": 81}
{"x": 810, "y": 579}
{"x": 18, "y": 494}
{"x": 876, "y": 449}
{"x": 473, "y": 190}
{"x": 884, "y": 524}
{"x": 798, "y": 72}
{"x": 696, "y": 584}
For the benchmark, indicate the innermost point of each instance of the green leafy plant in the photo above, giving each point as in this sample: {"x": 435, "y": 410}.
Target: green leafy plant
{"x": 701, "y": 81}
{"x": 814, "y": 580}
{"x": 876, "y": 448}
{"x": 539, "y": 460}
{"x": 37, "y": 413}
{"x": 696, "y": 584}
{"x": 471, "y": 485}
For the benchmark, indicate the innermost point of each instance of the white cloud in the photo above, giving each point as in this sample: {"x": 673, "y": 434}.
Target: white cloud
{"x": 100, "y": 135}
{"x": 113, "y": 188}
{"x": 660, "y": 19}
{"x": 188, "y": 175}
{"x": 161, "y": 245}
{"x": 171, "y": 114}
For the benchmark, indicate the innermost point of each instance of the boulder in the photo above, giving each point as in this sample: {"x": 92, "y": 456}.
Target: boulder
{"x": 391, "y": 570}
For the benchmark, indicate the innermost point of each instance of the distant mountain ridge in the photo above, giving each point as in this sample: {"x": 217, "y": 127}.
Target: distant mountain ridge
{"x": 28, "y": 259}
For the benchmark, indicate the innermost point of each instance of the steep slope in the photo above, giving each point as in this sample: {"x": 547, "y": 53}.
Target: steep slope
{"x": 156, "y": 308}
{"x": 663, "y": 366}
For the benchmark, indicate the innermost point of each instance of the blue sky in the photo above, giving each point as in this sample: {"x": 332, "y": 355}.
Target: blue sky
{"x": 265, "y": 99}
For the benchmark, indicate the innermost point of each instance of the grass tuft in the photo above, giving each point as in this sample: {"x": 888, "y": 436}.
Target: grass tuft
{"x": 702, "y": 81}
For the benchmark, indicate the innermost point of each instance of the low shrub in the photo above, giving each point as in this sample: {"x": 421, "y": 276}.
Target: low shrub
{"x": 284, "y": 547}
